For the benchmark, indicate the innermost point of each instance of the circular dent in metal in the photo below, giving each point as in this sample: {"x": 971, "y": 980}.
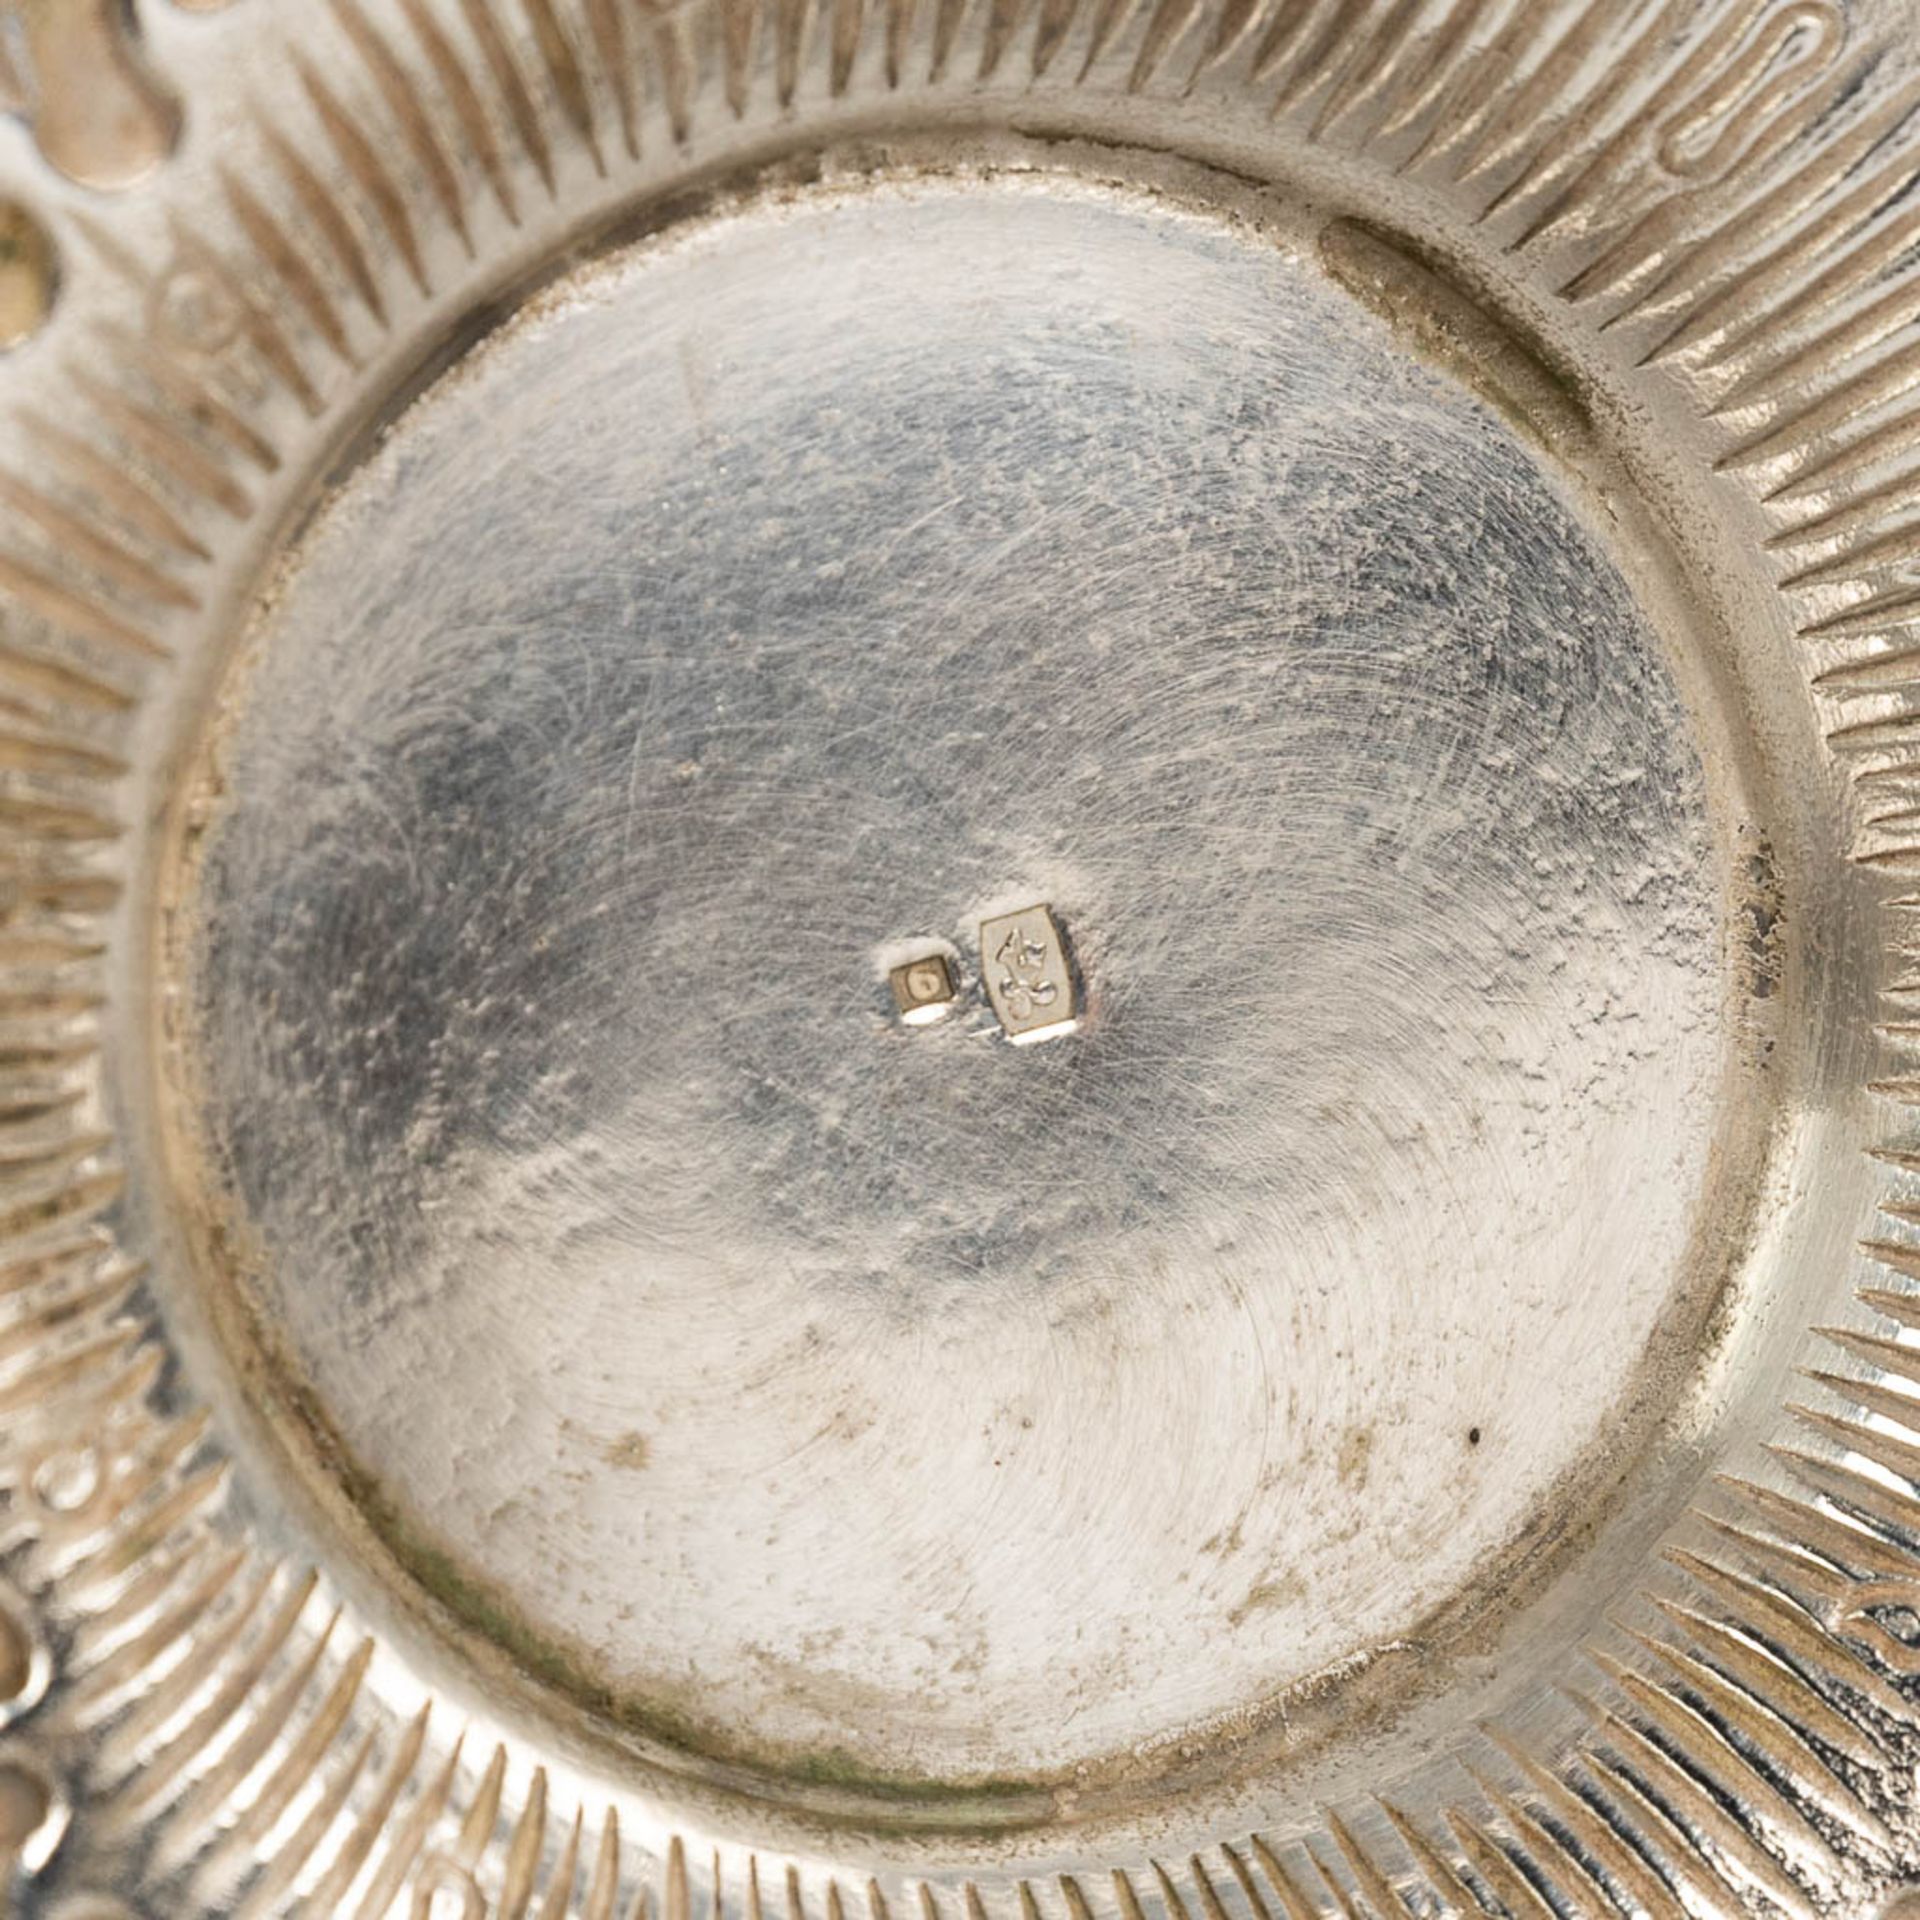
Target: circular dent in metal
{"x": 898, "y": 1410}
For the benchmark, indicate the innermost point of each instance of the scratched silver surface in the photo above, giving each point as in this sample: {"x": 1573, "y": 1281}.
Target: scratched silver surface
{"x": 837, "y": 579}
{"x": 1346, "y": 569}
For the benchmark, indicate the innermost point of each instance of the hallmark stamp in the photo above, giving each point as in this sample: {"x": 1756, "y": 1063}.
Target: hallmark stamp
{"x": 1023, "y": 961}
{"x": 923, "y": 989}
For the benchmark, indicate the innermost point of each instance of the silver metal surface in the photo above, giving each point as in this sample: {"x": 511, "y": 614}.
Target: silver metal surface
{"x": 967, "y": 1411}
{"x": 608, "y": 614}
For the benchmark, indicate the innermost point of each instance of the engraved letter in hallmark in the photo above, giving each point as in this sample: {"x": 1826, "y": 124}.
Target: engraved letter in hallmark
{"x": 923, "y": 989}
{"x": 1024, "y": 963}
